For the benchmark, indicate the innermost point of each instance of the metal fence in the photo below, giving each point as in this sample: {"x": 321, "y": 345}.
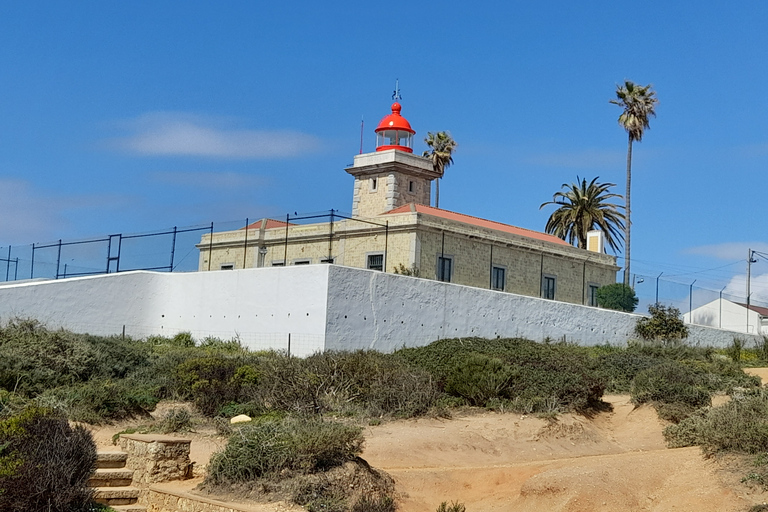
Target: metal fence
{"x": 175, "y": 250}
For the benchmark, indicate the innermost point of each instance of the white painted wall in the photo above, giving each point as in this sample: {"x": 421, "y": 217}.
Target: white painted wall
{"x": 260, "y": 306}
{"x": 320, "y": 306}
{"x": 727, "y": 315}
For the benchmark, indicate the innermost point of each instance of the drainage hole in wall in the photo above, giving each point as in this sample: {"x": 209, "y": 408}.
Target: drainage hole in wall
{"x": 307, "y": 314}
{"x": 162, "y": 316}
{"x": 401, "y": 321}
{"x": 364, "y": 318}
{"x": 345, "y": 316}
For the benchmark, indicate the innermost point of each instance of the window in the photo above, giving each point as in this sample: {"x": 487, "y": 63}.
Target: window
{"x": 302, "y": 262}
{"x": 278, "y": 263}
{"x": 227, "y": 266}
{"x": 375, "y": 262}
{"x": 498, "y": 278}
{"x": 548, "y": 287}
{"x": 444, "y": 268}
{"x": 374, "y": 184}
{"x": 592, "y": 297}
{"x": 326, "y": 260}
{"x": 410, "y": 187}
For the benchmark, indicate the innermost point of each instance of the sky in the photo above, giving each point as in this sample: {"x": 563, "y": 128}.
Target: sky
{"x": 139, "y": 116}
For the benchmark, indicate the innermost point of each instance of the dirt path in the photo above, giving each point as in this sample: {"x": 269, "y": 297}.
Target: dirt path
{"x": 494, "y": 462}
{"x": 508, "y": 462}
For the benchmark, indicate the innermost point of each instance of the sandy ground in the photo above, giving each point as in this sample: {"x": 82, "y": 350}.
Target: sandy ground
{"x": 614, "y": 461}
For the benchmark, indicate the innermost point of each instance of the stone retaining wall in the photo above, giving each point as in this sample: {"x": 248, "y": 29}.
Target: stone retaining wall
{"x": 164, "y": 500}
{"x": 156, "y": 458}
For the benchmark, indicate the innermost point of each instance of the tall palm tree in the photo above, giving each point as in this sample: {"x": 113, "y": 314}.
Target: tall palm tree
{"x": 441, "y": 147}
{"x": 638, "y": 103}
{"x": 583, "y": 207}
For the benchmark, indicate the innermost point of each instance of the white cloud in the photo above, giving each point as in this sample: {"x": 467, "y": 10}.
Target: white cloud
{"x": 729, "y": 250}
{"x": 736, "y": 290}
{"x": 180, "y": 134}
{"x": 209, "y": 179}
{"x": 589, "y": 158}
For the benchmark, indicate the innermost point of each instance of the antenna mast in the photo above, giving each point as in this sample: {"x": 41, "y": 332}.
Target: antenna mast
{"x": 396, "y": 95}
{"x": 362, "y": 124}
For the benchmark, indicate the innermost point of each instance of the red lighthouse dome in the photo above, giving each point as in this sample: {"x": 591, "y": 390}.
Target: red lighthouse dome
{"x": 394, "y": 132}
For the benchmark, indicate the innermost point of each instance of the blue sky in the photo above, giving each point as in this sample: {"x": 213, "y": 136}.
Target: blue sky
{"x": 137, "y": 116}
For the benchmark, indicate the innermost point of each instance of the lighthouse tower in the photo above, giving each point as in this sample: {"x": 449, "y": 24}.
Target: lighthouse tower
{"x": 392, "y": 176}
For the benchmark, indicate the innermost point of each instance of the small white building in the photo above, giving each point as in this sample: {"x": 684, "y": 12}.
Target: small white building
{"x": 733, "y": 316}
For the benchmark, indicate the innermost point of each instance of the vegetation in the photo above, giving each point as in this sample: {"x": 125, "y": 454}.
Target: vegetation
{"x": 582, "y": 208}
{"x": 663, "y": 326}
{"x": 454, "y": 506}
{"x": 638, "y": 104}
{"x": 617, "y": 296}
{"x": 441, "y": 147}
{"x": 44, "y": 463}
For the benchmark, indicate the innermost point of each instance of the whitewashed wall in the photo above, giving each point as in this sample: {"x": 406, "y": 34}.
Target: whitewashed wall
{"x": 260, "y": 306}
{"x": 320, "y": 306}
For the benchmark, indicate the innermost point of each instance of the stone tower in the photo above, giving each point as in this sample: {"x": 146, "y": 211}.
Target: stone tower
{"x": 392, "y": 176}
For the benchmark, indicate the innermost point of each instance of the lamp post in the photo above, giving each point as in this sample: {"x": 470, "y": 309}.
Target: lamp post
{"x": 750, "y": 260}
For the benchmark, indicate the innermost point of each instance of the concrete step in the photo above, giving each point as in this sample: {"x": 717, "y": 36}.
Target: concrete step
{"x": 105, "y": 460}
{"x": 116, "y": 495}
{"x": 129, "y": 508}
{"x": 111, "y": 477}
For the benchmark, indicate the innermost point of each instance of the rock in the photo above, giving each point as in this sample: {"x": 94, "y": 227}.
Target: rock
{"x": 242, "y": 418}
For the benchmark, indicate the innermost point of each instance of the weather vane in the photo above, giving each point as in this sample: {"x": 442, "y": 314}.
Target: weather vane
{"x": 396, "y": 95}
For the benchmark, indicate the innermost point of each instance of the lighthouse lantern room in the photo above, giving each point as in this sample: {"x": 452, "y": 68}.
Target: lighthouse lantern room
{"x": 394, "y": 132}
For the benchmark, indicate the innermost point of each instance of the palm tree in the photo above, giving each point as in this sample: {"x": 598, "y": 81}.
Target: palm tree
{"x": 583, "y": 207}
{"x": 638, "y": 103}
{"x": 441, "y": 148}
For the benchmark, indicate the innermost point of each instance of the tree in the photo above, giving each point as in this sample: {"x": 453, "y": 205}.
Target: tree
{"x": 441, "y": 148}
{"x": 638, "y": 103}
{"x": 583, "y": 207}
{"x": 617, "y": 296}
{"x": 664, "y": 325}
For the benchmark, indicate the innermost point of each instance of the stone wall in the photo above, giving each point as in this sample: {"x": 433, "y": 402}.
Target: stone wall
{"x": 156, "y": 458}
{"x": 165, "y": 500}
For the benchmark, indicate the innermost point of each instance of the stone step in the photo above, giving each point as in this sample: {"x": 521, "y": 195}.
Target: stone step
{"x": 116, "y": 495}
{"x": 111, "y": 477}
{"x": 107, "y": 460}
{"x": 129, "y": 508}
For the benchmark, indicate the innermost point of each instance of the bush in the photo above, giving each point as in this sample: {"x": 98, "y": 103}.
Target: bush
{"x": 740, "y": 425}
{"x": 478, "y": 379}
{"x": 664, "y": 325}
{"x": 546, "y": 377}
{"x": 99, "y": 401}
{"x": 455, "y": 506}
{"x": 212, "y": 382}
{"x": 672, "y": 382}
{"x": 618, "y": 296}
{"x": 269, "y": 447}
{"x": 44, "y": 463}
{"x": 34, "y": 359}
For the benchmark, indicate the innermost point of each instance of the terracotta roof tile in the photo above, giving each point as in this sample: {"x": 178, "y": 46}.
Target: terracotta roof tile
{"x": 757, "y": 309}
{"x": 271, "y": 223}
{"x": 476, "y": 221}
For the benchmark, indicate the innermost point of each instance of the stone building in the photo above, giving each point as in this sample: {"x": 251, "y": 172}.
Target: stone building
{"x": 394, "y": 228}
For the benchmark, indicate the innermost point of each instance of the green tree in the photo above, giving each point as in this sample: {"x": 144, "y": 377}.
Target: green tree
{"x": 663, "y": 326}
{"x": 440, "y": 153}
{"x": 638, "y": 103}
{"x": 583, "y": 207}
{"x": 617, "y": 296}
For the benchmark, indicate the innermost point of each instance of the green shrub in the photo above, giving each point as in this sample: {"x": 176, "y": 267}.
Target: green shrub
{"x": 99, "y": 401}
{"x": 547, "y": 377}
{"x": 664, "y": 325}
{"x": 176, "y": 420}
{"x": 212, "y": 381}
{"x": 478, "y": 378}
{"x": 455, "y": 506}
{"x": 619, "y": 368}
{"x": 34, "y": 359}
{"x": 672, "y": 382}
{"x": 305, "y": 445}
{"x": 44, "y": 463}
{"x": 740, "y": 425}
{"x": 374, "y": 504}
{"x": 617, "y": 296}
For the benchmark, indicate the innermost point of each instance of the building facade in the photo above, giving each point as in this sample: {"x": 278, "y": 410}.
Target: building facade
{"x": 393, "y": 228}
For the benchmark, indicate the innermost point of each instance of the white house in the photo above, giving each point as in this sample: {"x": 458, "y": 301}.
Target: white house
{"x": 733, "y": 316}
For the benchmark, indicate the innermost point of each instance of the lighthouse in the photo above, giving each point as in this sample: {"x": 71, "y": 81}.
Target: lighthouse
{"x": 392, "y": 176}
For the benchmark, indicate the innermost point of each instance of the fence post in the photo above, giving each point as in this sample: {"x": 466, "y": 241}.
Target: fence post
{"x": 8, "y": 264}
{"x": 173, "y": 247}
{"x": 289, "y": 344}
{"x": 32, "y": 264}
{"x": 210, "y": 248}
{"x": 245, "y": 244}
{"x": 58, "y": 260}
